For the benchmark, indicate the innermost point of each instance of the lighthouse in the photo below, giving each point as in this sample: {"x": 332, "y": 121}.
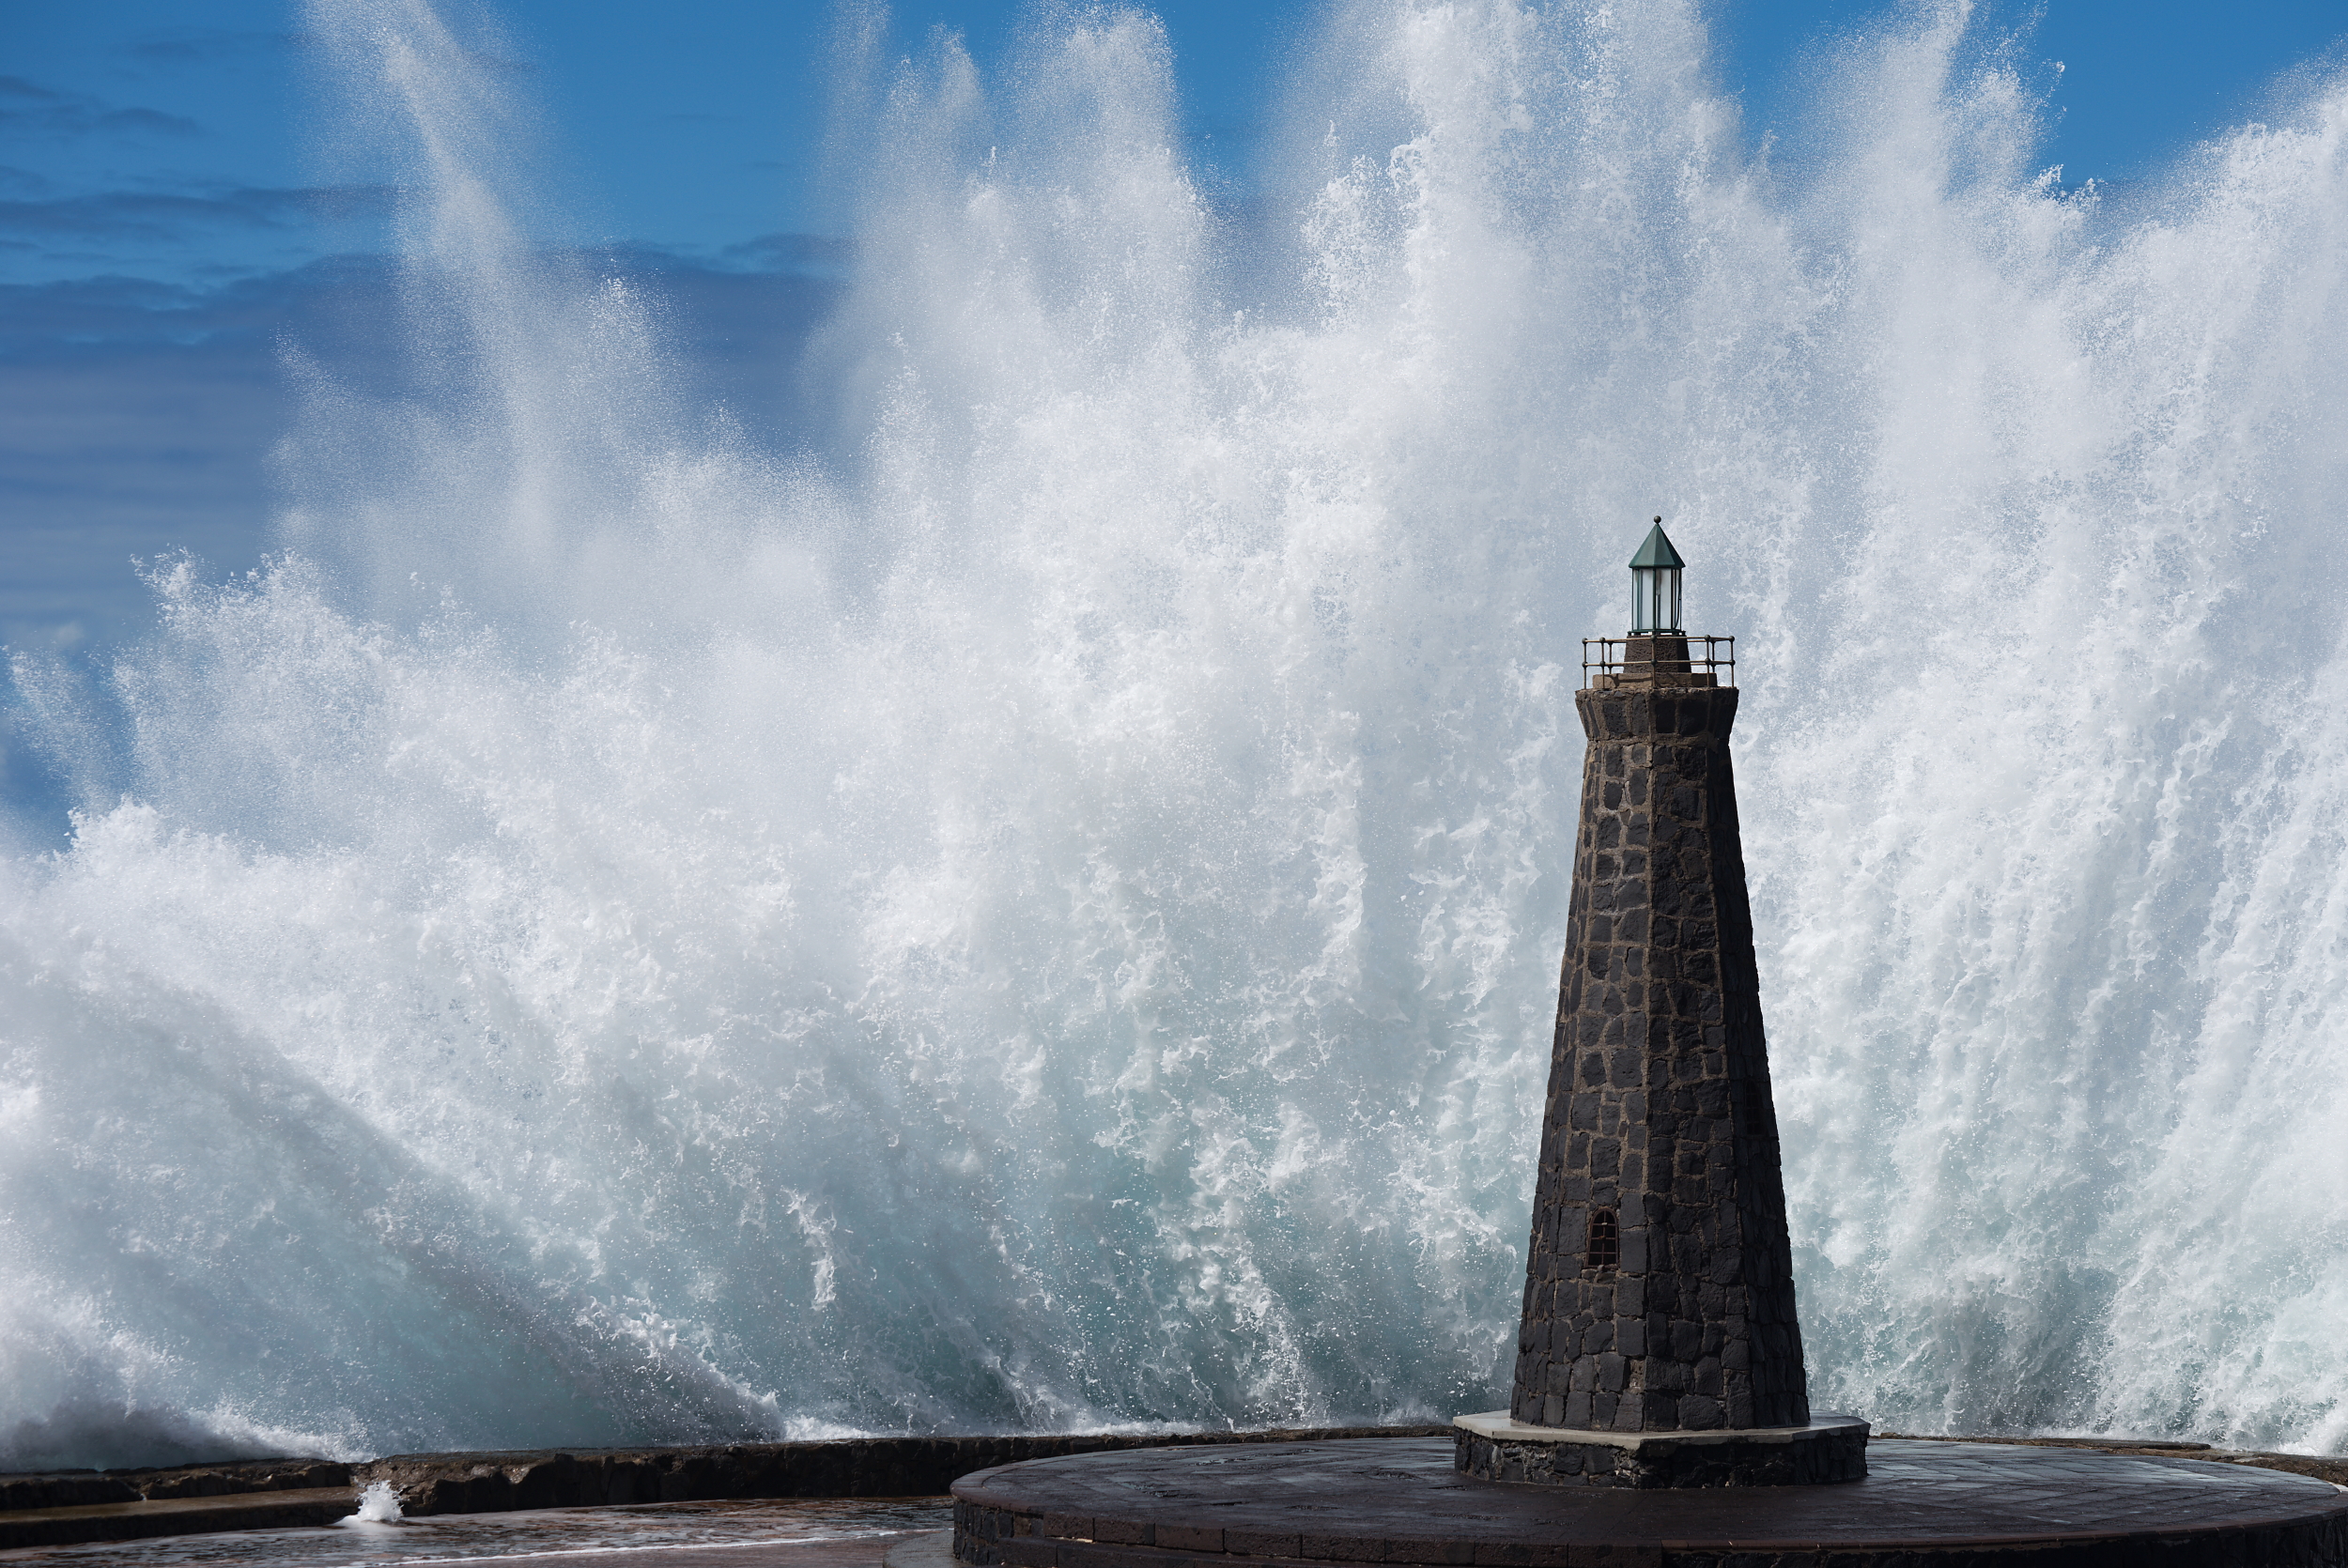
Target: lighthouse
{"x": 1660, "y": 1344}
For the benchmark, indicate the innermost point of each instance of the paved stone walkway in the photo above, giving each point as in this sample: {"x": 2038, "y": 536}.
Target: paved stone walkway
{"x": 1400, "y": 1501}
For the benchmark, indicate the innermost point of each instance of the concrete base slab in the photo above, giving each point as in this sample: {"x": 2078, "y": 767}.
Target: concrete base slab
{"x": 1494, "y": 1447}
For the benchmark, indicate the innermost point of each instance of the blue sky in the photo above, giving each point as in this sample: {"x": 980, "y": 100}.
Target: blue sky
{"x": 163, "y": 226}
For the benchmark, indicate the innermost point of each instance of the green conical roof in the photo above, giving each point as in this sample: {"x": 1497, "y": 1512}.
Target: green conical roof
{"x": 1658, "y": 549}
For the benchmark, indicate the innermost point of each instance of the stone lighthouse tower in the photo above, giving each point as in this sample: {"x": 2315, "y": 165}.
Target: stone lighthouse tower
{"x": 1659, "y": 1345}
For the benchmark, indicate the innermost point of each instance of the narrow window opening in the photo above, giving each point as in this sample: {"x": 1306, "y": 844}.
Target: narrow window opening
{"x": 1605, "y": 1249}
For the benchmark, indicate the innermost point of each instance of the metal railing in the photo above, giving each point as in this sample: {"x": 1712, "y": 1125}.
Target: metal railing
{"x": 1674, "y": 659}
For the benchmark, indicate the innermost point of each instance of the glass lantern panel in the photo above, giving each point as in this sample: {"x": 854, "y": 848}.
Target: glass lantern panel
{"x": 1654, "y": 600}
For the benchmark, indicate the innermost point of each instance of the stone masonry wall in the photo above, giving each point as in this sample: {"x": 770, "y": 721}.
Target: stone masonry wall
{"x": 1658, "y": 1106}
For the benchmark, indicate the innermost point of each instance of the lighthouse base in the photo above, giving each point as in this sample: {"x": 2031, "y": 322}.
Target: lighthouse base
{"x": 1399, "y": 1503}
{"x": 1496, "y": 1448}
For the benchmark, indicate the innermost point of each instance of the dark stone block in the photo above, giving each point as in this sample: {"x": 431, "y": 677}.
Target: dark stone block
{"x": 1189, "y": 1537}
{"x": 1251, "y": 1542}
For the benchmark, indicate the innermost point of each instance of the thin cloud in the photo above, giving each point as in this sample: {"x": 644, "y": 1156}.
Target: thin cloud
{"x": 192, "y": 45}
{"x": 29, "y": 109}
{"x": 791, "y": 253}
{"x": 168, "y": 215}
{"x": 85, "y": 311}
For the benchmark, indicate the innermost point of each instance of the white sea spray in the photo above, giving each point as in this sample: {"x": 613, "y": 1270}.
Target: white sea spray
{"x": 1043, "y": 909}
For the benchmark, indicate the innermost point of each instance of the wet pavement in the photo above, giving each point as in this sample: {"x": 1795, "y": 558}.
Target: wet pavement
{"x": 795, "y": 1533}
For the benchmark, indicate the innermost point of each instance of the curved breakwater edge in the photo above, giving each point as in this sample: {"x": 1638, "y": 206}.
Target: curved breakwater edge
{"x": 87, "y": 1506}
{"x": 56, "y": 1510}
